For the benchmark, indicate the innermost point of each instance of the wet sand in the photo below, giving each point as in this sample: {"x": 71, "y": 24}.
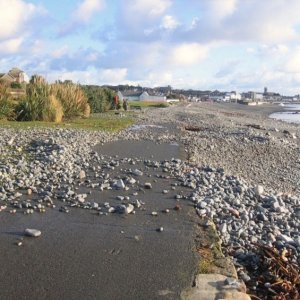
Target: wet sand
{"x": 82, "y": 255}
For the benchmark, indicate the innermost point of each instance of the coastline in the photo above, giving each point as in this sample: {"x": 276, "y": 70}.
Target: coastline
{"x": 239, "y": 155}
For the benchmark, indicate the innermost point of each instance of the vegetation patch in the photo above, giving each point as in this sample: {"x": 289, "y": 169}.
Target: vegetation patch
{"x": 103, "y": 122}
{"x": 146, "y": 104}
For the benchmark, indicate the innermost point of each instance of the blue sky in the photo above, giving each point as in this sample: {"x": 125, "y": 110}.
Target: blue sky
{"x": 200, "y": 44}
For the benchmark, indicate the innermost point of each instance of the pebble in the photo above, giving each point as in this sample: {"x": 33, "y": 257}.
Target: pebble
{"x": 32, "y": 232}
{"x": 148, "y": 185}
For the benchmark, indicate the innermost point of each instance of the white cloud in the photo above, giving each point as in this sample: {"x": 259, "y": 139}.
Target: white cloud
{"x": 11, "y": 46}
{"x": 222, "y": 8}
{"x": 58, "y": 53}
{"x": 15, "y": 16}
{"x": 81, "y": 16}
{"x": 188, "y": 54}
{"x": 293, "y": 63}
{"x": 91, "y": 76}
{"x": 87, "y": 9}
{"x": 148, "y": 7}
{"x": 169, "y": 22}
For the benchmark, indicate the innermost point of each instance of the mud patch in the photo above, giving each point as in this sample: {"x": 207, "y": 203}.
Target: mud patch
{"x": 142, "y": 150}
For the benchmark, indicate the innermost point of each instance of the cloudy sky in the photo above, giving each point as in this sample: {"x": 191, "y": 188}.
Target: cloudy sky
{"x": 202, "y": 44}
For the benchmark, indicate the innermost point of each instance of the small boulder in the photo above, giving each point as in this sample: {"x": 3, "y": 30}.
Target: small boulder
{"x": 32, "y": 232}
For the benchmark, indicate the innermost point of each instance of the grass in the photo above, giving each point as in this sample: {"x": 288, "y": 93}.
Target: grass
{"x": 147, "y": 104}
{"x": 102, "y": 122}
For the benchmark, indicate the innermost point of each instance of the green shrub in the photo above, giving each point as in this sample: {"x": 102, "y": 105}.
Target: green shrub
{"x": 73, "y": 99}
{"x": 34, "y": 106}
{"x": 6, "y": 103}
{"x": 100, "y": 99}
{"x": 50, "y": 103}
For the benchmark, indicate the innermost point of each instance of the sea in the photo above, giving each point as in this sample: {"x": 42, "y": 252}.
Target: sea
{"x": 290, "y": 114}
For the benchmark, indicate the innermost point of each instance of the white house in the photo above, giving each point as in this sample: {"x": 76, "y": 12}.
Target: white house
{"x": 140, "y": 96}
{"x": 235, "y": 96}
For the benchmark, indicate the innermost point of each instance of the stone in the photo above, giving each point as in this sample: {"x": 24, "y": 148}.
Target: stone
{"x": 111, "y": 210}
{"x": 223, "y": 228}
{"x": 32, "y": 232}
{"x": 120, "y": 184}
{"x": 137, "y": 172}
{"x": 213, "y": 286}
{"x": 148, "y": 186}
{"x": 286, "y": 238}
{"x": 82, "y": 174}
{"x": 154, "y": 213}
{"x": 259, "y": 190}
{"x": 137, "y": 204}
{"x": 129, "y": 209}
{"x": 245, "y": 277}
{"x": 160, "y": 229}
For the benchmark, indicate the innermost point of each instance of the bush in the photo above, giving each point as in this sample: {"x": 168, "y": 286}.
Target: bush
{"x": 53, "y": 111}
{"x": 34, "y": 106}
{"x": 73, "y": 99}
{"x": 52, "y": 103}
{"x": 100, "y": 99}
{"x": 6, "y": 103}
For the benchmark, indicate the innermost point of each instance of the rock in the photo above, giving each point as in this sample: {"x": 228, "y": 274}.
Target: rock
{"x": 137, "y": 204}
{"x": 121, "y": 209}
{"x": 245, "y": 277}
{"x": 177, "y": 207}
{"x": 160, "y": 229}
{"x": 154, "y": 213}
{"x": 82, "y": 174}
{"x": 259, "y": 190}
{"x": 286, "y": 238}
{"x": 112, "y": 210}
{"x": 95, "y": 205}
{"x": 147, "y": 186}
{"x": 120, "y": 184}
{"x": 129, "y": 209}
{"x": 223, "y": 228}
{"x": 32, "y": 232}
{"x": 137, "y": 172}
{"x": 131, "y": 180}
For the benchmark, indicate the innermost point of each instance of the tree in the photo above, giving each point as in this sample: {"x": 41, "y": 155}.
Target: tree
{"x": 100, "y": 99}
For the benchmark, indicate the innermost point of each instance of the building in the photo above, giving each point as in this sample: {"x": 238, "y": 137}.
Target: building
{"x": 14, "y": 75}
{"x": 140, "y": 96}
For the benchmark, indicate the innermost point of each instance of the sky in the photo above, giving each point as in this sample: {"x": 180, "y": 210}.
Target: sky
{"x": 242, "y": 45}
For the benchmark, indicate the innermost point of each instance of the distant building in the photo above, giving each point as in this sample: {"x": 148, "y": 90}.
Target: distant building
{"x": 140, "y": 96}
{"x": 253, "y": 96}
{"x": 14, "y": 75}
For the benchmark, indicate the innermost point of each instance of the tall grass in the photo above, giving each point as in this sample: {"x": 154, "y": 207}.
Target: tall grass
{"x": 73, "y": 100}
{"x": 6, "y": 103}
{"x": 52, "y": 103}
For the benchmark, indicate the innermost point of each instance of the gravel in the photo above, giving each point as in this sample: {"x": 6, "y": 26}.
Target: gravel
{"x": 242, "y": 170}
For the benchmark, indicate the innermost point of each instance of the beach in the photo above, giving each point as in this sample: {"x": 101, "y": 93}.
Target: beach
{"x": 228, "y": 163}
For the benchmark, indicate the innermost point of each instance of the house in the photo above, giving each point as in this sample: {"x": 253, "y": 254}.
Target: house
{"x": 14, "y": 75}
{"x": 140, "y": 96}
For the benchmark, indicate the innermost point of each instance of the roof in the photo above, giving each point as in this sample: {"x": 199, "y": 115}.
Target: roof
{"x": 131, "y": 93}
{"x": 15, "y": 72}
{"x": 7, "y": 77}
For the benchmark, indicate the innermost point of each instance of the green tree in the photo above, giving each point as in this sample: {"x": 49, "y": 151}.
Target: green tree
{"x": 100, "y": 99}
